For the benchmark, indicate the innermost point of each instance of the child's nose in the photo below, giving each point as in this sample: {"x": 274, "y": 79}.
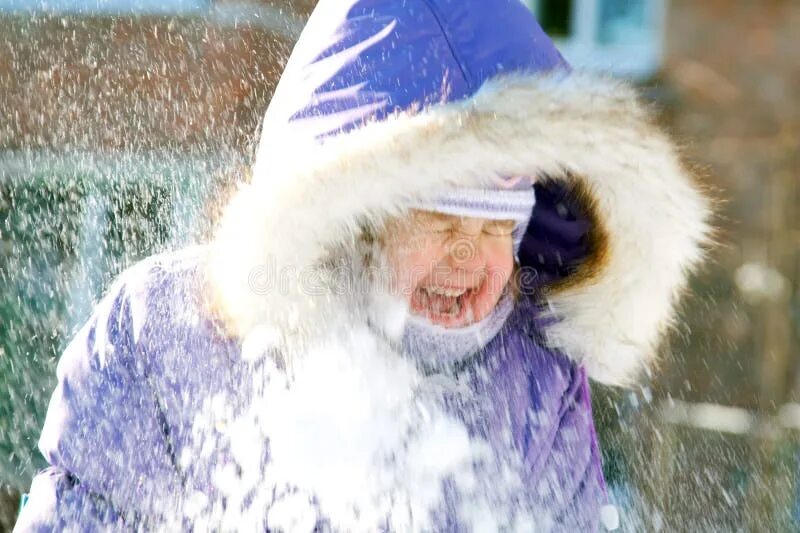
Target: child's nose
{"x": 465, "y": 253}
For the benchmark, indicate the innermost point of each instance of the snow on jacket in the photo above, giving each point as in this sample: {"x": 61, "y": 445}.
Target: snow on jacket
{"x": 383, "y": 102}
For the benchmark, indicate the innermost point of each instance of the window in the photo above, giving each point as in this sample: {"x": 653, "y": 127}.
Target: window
{"x": 621, "y": 21}
{"x": 555, "y": 16}
{"x": 622, "y": 37}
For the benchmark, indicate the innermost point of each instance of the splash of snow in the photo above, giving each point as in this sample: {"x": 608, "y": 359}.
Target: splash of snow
{"x": 352, "y": 434}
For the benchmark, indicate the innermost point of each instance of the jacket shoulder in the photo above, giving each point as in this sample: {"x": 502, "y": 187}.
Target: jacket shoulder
{"x": 164, "y": 289}
{"x": 105, "y": 425}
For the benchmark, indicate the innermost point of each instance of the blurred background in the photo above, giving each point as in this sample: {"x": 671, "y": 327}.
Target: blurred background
{"x": 120, "y": 121}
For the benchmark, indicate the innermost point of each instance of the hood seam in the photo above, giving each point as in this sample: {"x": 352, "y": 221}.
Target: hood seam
{"x": 446, "y": 35}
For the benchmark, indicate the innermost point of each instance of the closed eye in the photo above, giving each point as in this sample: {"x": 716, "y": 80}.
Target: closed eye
{"x": 499, "y": 228}
{"x": 438, "y": 227}
{"x": 435, "y": 222}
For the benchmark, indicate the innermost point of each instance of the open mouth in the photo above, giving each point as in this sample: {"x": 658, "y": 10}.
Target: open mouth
{"x": 446, "y": 306}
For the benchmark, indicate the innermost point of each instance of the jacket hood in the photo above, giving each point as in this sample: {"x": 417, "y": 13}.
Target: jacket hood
{"x": 361, "y": 61}
{"x": 385, "y": 102}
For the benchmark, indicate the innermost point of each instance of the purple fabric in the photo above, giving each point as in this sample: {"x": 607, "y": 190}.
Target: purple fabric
{"x": 557, "y": 238}
{"x": 134, "y": 378}
{"x": 366, "y": 59}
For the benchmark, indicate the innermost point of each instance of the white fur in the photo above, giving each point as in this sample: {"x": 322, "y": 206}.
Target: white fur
{"x": 655, "y": 217}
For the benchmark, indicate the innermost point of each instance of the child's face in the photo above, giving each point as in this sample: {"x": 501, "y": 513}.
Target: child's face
{"x": 450, "y": 269}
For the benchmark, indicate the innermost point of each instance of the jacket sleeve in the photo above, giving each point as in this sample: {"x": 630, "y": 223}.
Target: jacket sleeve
{"x": 586, "y": 492}
{"x": 567, "y": 478}
{"x": 104, "y": 434}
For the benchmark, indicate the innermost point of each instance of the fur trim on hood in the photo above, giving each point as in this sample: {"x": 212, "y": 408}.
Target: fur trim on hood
{"x": 650, "y": 218}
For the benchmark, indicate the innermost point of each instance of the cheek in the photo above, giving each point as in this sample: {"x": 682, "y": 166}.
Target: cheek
{"x": 500, "y": 264}
{"x": 413, "y": 261}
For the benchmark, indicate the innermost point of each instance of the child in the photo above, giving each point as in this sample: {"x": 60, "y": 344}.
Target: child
{"x": 414, "y": 138}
